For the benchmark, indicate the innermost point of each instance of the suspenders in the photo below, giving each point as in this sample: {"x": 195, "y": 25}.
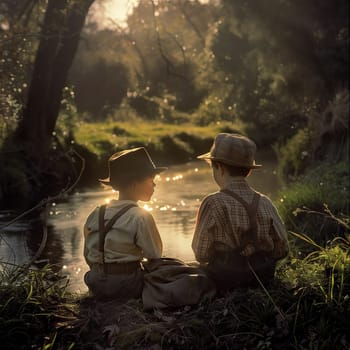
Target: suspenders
{"x": 251, "y": 235}
{"x": 104, "y": 228}
{"x": 231, "y": 269}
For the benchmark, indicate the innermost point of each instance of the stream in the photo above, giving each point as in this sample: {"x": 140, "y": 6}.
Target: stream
{"x": 174, "y": 204}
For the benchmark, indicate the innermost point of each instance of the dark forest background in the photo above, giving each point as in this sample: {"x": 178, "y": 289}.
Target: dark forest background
{"x": 278, "y": 71}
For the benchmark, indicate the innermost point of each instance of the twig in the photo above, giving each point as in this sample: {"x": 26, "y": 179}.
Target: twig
{"x": 40, "y": 249}
{"x": 327, "y": 214}
{"x": 169, "y": 65}
{"x": 265, "y": 290}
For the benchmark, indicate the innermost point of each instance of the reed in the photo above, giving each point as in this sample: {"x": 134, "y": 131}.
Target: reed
{"x": 32, "y": 301}
{"x": 317, "y": 204}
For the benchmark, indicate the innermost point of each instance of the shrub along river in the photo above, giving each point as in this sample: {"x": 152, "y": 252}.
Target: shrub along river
{"x": 177, "y": 196}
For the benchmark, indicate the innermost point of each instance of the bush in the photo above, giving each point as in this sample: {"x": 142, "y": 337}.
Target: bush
{"x": 294, "y": 156}
{"x": 322, "y": 187}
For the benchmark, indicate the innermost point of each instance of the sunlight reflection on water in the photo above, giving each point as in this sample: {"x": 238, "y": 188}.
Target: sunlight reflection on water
{"x": 174, "y": 205}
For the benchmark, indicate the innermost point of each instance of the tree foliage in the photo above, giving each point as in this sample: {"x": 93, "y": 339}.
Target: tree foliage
{"x": 158, "y": 50}
{"x": 277, "y": 62}
{"x": 272, "y": 66}
{"x": 30, "y": 143}
{"x": 19, "y": 26}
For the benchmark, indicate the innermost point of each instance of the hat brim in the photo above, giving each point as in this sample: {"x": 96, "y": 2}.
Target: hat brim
{"x": 208, "y": 156}
{"x": 155, "y": 171}
{"x": 105, "y": 181}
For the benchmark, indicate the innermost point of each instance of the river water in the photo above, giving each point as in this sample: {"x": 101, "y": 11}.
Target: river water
{"x": 177, "y": 196}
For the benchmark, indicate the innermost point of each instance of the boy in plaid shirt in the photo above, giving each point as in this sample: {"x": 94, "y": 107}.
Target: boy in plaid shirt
{"x": 239, "y": 235}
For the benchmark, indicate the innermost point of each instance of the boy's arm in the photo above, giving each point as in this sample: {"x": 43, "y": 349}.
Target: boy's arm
{"x": 202, "y": 239}
{"x": 148, "y": 237}
{"x": 279, "y": 235}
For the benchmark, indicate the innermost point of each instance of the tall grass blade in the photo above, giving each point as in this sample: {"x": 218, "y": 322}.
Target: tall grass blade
{"x": 306, "y": 239}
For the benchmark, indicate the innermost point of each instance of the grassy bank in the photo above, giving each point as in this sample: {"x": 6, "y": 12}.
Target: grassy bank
{"x": 100, "y": 138}
{"x": 92, "y": 144}
{"x": 307, "y": 307}
{"x": 317, "y": 204}
{"x": 168, "y": 144}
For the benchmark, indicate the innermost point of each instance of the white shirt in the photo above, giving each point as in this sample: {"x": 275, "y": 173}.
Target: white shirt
{"x": 133, "y": 236}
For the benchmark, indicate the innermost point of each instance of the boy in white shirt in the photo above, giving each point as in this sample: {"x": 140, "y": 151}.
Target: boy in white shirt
{"x": 118, "y": 236}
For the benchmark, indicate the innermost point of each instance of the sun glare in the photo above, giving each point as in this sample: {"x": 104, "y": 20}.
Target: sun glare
{"x": 113, "y": 12}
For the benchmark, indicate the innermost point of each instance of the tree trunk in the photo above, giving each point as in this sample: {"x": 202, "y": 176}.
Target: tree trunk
{"x": 28, "y": 174}
{"x": 61, "y": 30}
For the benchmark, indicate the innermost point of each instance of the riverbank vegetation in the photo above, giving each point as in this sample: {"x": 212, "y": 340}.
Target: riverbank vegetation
{"x": 164, "y": 140}
{"x": 306, "y": 307}
{"x": 316, "y": 203}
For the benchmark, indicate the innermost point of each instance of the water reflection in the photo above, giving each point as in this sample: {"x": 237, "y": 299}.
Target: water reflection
{"x": 174, "y": 205}
{"x": 53, "y": 250}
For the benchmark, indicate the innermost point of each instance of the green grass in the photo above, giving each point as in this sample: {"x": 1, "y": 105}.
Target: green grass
{"x": 99, "y": 137}
{"x": 306, "y": 307}
{"x": 32, "y": 303}
{"x": 305, "y": 205}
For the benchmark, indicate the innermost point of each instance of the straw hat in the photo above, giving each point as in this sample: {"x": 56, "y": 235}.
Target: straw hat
{"x": 233, "y": 149}
{"x": 133, "y": 163}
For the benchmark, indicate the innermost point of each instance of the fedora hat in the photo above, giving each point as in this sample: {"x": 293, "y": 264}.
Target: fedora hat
{"x": 133, "y": 163}
{"x": 233, "y": 149}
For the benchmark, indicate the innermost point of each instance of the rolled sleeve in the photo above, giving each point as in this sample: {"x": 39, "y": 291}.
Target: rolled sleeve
{"x": 148, "y": 237}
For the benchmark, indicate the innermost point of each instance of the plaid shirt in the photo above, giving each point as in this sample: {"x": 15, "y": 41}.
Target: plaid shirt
{"x": 213, "y": 224}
